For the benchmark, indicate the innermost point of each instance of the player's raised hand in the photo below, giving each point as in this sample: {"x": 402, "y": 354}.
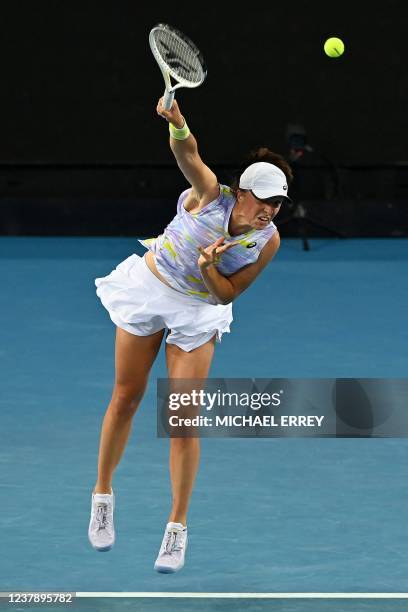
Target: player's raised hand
{"x": 211, "y": 254}
{"x": 173, "y": 115}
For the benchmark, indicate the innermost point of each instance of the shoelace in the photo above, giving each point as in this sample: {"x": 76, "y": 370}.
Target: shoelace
{"x": 101, "y": 516}
{"x": 173, "y": 542}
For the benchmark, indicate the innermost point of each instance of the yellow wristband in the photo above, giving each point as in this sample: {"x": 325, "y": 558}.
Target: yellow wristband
{"x": 179, "y": 133}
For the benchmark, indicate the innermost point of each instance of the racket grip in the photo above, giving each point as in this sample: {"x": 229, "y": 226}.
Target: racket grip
{"x": 168, "y": 99}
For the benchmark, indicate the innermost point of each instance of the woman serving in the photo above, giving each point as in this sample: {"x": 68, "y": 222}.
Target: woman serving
{"x": 217, "y": 244}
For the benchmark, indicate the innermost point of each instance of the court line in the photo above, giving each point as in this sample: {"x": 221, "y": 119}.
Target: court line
{"x": 195, "y": 595}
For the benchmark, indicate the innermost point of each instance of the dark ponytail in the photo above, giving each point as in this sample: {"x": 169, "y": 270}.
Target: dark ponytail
{"x": 262, "y": 154}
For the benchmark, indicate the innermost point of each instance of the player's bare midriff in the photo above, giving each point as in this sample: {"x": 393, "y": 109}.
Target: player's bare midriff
{"x": 151, "y": 264}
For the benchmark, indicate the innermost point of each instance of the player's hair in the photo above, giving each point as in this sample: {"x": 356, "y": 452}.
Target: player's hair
{"x": 262, "y": 154}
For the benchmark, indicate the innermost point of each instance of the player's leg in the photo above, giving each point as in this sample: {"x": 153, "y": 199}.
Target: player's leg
{"x": 134, "y": 356}
{"x": 184, "y": 457}
{"x": 185, "y": 452}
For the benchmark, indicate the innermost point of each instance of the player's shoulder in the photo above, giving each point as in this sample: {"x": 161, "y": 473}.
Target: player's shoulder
{"x": 190, "y": 202}
{"x": 223, "y": 197}
{"x": 272, "y": 244}
{"x": 227, "y": 196}
{"x": 226, "y": 191}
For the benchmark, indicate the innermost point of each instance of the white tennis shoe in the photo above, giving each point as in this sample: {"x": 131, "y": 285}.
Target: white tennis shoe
{"x": 101, "y": 530}
{"x": 173, "y": 549}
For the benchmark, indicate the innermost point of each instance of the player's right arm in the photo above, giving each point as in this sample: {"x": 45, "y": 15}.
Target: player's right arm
{"x": 202, "y": 179}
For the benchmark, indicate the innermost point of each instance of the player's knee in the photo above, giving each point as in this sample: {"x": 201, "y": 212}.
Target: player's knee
{"x": 125, "y": 400}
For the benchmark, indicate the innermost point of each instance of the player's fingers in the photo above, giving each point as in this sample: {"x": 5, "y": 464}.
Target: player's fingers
{"x": 161, "y": 110}
{"x": 214, "y": 248}
{"x": 204, "y": 253}
{"x": 227, "y": 246}
{"x": 231, "y": 244}
{"x": 217, "y": 243}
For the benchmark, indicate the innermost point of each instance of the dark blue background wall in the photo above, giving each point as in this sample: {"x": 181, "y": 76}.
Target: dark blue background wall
{"x": 78, "y": 81}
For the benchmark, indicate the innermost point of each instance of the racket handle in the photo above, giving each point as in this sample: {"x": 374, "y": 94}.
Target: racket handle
{"x": 168, "y": 99}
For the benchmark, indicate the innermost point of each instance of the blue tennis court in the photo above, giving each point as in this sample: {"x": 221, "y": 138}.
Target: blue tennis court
{"x": 267, "y": 515}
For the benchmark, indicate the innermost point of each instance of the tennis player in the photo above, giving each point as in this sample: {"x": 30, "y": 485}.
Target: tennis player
{"x": 217, "y": 244}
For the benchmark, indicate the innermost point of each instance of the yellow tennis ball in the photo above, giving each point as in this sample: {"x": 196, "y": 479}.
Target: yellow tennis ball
{"x": 334, "y": 47}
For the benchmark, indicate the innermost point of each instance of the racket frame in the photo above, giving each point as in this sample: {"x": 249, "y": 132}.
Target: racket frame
{"x": 166, "y": 70}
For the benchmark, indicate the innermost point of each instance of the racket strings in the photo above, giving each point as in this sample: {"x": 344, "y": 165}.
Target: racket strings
{"x": 179, "y": 57}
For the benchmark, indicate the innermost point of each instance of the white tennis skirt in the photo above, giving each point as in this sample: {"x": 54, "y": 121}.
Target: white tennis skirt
{"x": 140, "y": 303}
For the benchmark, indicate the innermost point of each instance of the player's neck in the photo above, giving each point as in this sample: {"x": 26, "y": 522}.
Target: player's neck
{"x": 237, "y": 224}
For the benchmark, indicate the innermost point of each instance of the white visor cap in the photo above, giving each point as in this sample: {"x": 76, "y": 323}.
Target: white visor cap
{"x": 265, "y": 180}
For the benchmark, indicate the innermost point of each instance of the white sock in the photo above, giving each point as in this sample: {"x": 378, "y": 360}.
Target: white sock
{"x": 176, "y": 526}
{"x": 100, "y": 497}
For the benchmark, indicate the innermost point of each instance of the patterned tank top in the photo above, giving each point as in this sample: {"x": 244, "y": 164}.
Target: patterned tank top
{"x": 176, "y": 249}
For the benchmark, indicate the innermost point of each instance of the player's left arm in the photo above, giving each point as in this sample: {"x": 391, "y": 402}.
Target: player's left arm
{"x": 227, "y": 289}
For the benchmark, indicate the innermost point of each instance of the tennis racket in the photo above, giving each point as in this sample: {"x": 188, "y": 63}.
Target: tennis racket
{"x": 178, "y": 57}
